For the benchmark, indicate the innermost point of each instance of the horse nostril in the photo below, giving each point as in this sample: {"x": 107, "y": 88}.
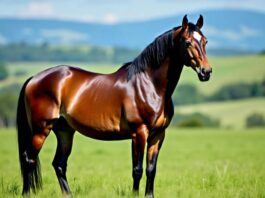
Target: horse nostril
{"x": 206, "y": 71}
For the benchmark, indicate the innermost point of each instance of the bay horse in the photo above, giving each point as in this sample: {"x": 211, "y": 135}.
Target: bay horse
{"x": 132, "y": 103}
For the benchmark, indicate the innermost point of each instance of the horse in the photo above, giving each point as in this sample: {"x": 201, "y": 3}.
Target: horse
{"x": 132, "y": 103}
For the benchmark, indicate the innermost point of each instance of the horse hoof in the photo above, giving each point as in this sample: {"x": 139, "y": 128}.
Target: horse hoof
{"x": 135, "y": 193}
{"x": 67, "y": 195}
{"x": 26, "y": 194}
{"x": 149, "y": 196}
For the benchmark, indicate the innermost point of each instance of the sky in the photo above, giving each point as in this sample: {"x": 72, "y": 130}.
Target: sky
{"x": 115, "y": 11}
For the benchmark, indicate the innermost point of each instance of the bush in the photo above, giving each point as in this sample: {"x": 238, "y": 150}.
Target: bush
{"x": 239, "y": 91}
{"x": 20, "y": 73}
{"x": 43, "y": 52}
{"x": 187, "y": 94}
{"x": 194, "y": 120}
{"x": 232, "y": 92}
{"x": 8, "y": 105}
{"x": 3, "y": 71}
{"x": 255, "y": 120}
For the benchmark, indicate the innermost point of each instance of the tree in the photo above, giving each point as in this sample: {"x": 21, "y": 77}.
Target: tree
{"x": 8, "y": 103}
{"x": 194, "y": 120}
{"x": 3, "y": 71}
{"x": 255, "y": 120}
{"x": 187, "y": 94}
{"x": 235, "y": 91}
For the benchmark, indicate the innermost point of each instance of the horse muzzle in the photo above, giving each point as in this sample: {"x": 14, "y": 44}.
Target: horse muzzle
{"x": 204, "y": 74}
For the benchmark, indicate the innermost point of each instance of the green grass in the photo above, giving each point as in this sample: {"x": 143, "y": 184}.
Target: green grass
{"x": 226, "y": 70}
{"x": 192, "y": 163}
{"x": 230, "y": 113}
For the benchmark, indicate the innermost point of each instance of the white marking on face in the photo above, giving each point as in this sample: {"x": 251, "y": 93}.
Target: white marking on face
{"x": 197, "y": 36}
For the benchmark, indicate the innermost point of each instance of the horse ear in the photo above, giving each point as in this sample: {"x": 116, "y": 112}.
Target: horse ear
{"x": 185, "y": 22}
{"x": 199, "y": 23}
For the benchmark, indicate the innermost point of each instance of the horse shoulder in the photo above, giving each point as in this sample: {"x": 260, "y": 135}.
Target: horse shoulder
{"x": 166, "y": 116}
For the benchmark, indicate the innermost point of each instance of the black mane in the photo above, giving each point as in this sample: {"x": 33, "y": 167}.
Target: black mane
{"x": 153, "y": 55}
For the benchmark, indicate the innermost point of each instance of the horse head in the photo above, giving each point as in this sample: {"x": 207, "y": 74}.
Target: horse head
{"x": 192, "y": 44}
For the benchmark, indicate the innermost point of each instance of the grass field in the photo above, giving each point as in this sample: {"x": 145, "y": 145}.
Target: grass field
{"x": 192, "y": 163}
{"x": 226, "y": 70}
{"x": 230, "y": 113}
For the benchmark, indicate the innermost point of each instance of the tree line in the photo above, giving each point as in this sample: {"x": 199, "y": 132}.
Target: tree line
{"x": 189, "y": 94}
{"x": 46, "y": 52}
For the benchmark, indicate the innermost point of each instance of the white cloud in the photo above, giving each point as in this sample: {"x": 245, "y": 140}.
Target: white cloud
{"x": 249, "y": 32}
{"x": 242, "y": 32}
{"x": 120, "y": 11}
{"x": 64, "y": 36}
{"x": 27, "y": 31}
{"x": 231, "y": 35}
{"x": 2, "y": 39}
{"x": 37, "y": 9}
{"x": 214, "y": 44}
{"x": 110, "y": 18}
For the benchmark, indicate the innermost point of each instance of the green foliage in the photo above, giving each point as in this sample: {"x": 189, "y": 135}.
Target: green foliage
{"x": 3, "y": 71}
{"x": 255, "y": 120}
{"x": 8, "y": 104}
{"x": 19, "y": 73}
{"x": 194, "y": 120}
{"x": 187, "y": 94}
{"x": 44, "y": 52}
{"x": 239, "y": 91}
{"x": 230, "y": 113}
{"x": 192, "y": 163}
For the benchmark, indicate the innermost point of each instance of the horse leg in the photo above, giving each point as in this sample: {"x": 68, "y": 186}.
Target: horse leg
{"x": 153, "y": 147}
{"x": 32, "y": 175}
{"x": 138, "y": 146}
{"x": 64, "y": 134}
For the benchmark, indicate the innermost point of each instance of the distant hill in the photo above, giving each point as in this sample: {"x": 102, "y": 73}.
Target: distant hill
{"x": 228, "y": 31}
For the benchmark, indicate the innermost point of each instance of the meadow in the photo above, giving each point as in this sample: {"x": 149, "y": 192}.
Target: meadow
{"x": 232, "y": 114}
{"x": 226, "y": 70}
{"x": 192, "y": 163}
{"x": 226, "y": 162}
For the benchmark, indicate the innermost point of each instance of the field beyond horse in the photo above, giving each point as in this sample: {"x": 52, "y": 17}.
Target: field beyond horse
{"x": 193, "y": 163}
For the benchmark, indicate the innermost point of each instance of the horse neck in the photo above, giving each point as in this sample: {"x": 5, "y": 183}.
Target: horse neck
{"x": 165, "y": 78}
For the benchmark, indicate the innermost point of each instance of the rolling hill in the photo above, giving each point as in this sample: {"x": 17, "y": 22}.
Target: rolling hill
{"x": 228, "y": 31}
{"x": 230, "y": 113}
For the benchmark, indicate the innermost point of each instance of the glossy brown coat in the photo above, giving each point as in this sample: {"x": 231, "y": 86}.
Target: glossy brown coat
{"x": 131, "y": 103}
{"x": 100, "y": 106}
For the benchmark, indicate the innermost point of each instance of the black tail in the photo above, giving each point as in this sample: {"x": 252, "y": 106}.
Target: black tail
{"x": 30, "y": 172}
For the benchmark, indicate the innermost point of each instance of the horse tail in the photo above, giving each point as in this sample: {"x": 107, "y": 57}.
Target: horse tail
{"x": 30, "y": 170}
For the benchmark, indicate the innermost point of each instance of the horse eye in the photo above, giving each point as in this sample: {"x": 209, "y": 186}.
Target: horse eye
{"x": 188, "y": 44}
{"x": 206, "y": 41}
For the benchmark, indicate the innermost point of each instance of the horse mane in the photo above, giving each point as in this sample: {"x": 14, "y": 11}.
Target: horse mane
{"x": 153, "y": 55}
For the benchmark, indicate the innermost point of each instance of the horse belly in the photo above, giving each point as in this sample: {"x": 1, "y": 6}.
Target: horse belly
{"x": 99, "y": 126}
{"x": 100, "y": 132}
{"x": 104, "y": 135}
{"x": 96, "y": 111}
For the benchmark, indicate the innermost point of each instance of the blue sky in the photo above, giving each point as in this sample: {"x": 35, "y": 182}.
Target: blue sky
{"x": 114, "y": 11}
